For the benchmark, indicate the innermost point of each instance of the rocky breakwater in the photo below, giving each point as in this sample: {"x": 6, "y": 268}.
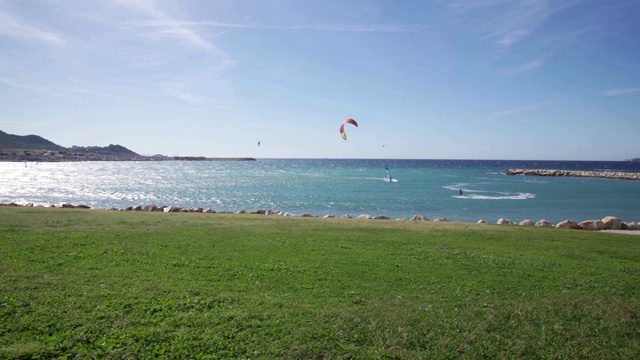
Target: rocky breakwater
{"x": 574, "y": 173}
{"x": 607, "y": 223}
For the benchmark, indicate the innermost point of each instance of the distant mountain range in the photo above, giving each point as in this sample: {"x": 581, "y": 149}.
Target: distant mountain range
{"x": 36, "y": 148}
{"x": 35, "y": 142}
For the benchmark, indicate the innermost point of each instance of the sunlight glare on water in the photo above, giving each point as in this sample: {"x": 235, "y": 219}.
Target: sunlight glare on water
{"x": 326, "y": 186}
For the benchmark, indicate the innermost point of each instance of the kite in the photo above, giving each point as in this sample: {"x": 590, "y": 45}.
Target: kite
{"x": 348, "y": 121}
{"x": 258, "y": 143}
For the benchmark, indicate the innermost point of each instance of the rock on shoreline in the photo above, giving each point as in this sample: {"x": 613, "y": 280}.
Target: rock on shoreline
{"x": 573, "y": 173}
{"x": 607, "y": 223}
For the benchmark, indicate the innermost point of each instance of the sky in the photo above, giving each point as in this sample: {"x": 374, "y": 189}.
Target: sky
{"x": 474, "y": 79}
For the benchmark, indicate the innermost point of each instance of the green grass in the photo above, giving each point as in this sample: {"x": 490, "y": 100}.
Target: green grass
{"x": 106, "y": 284}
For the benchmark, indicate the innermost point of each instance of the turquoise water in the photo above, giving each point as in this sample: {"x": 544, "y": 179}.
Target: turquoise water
{"x": 330, "y": 186}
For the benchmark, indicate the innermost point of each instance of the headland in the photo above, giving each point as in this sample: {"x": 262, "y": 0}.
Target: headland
{"x": 34, "y": 148}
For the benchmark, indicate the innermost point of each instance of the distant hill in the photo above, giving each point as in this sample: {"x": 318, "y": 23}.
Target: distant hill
{"x": 35, "y": 142}
{"x": 106, "y": 150}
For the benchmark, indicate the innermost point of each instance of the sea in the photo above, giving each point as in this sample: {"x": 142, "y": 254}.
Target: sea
{"x": 457, "y": 190}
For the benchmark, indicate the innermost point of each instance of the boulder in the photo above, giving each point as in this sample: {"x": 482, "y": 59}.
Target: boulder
{"x": 67, "y": 206}
{"x": 612, "y": 223}
{"x": 346, "y": 216}
{"x": 137, "y": 208}
{"x": 502, "y": 221}
{"x": 241, "y": 212}
{"x": 526, "y": 222}
{"x": 307, "y": 215}
{"x": 419, "y": 218}
{"x": 568, "y": 224}
{"x": 364, "y": 216}
{"x": 151, "y": 207}
{"x": 587, "y": 225}
{"x": 381, "y": 217}
{"x": 82, "y": 206}
{"x": 441, "y": 219}
{"x": 544, "y": 223}
{"x": 481, "y": 221}
{"x": 329, "y": 216}
{"x": 633, "y": 226}
{"x": 197, "y": 210}
{"x": 598, "y": 225}
{"x": 273, "y": 212}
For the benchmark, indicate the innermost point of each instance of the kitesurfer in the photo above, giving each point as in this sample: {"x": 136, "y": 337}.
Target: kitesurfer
{"x": 348, "y": 121}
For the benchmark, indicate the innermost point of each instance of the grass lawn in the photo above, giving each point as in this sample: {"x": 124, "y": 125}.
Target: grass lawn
{"x": 108, "y": 284}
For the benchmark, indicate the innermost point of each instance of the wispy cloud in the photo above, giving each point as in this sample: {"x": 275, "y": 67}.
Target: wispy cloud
{"x": 12, "y": 27}
{"x": 99, "y": 93}
{"x": 195, "y": 87}
{"x": 169, "y": 26}
{"x": 194, "y": 99}
{"x": 379, "y": 28}
{"x": 570, "y": 37}
{"x": 37, "y": 89}
{"x": 528, "y": 66}
{"x": 506, "y": 22}
{"x": 623, "y": 91}
{"x": 526, "y": 108}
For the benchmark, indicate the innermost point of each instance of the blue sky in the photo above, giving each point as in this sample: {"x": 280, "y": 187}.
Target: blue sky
{"x": 477, "y": 79}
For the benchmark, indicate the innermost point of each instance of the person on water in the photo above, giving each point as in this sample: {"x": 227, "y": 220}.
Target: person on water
{"x": 460, "y": 191}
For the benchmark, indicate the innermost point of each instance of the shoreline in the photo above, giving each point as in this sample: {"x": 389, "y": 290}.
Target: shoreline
{"x": 123, "y": 159}
{"x": 607, "y": 224}
{"x": 573, "y": 173}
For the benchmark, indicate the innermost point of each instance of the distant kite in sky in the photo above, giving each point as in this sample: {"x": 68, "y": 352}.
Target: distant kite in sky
{"x": 348, "y": 121}
{"x": 258, "y": 143}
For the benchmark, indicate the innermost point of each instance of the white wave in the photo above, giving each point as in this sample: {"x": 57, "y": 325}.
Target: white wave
{"x": 456, "y": 187}
{"x": 505, "y": 196}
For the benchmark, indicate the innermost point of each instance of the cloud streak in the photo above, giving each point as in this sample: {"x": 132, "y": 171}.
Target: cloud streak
{"x": 506, "y": 23}
{"x": 11, "y": 27}
{"x": 374, "y": 28}
{"x": 528, "y": 66}
{"x": 618, "y": 92}
{"x": 37, "y": 89}
{"x": 526, "y": 108}
{"x": 169, "y": 26}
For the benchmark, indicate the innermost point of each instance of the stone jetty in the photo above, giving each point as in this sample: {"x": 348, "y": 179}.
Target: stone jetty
{"x": 573, "y": 173}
